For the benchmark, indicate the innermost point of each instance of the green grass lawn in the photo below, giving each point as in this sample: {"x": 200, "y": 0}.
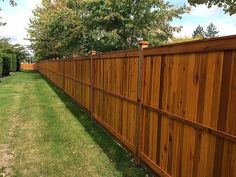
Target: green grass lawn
{"x": 49, "y": 135}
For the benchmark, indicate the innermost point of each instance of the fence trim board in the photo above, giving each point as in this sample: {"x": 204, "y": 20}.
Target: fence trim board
{"x": 207, "y": 45}
{"x": 118, "y": 54}
{"x": 29, "y": 67}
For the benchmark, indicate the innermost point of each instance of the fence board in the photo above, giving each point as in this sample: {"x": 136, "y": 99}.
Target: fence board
{"x": 28, "y": 66}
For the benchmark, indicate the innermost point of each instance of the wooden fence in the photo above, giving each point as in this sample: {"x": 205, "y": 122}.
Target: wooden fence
{"x": 173, "y": 107}
{"x": 29, "y": 67}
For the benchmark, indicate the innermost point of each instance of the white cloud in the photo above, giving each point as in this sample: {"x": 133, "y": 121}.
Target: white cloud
{"x": 32, "y": 4}
{"x": 204, "y": 11}
{"x": 202, "y": 15}
{"x": 186, "y": 31}
{"x": 16, "y": 25}
{"x": 17, "y": 21}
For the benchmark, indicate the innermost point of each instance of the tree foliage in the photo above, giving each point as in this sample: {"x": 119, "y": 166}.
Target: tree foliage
{"x": 199, "y": 32}
{"x": 10, "y": 56}
{"x": 65, "y": 27}
{"x": 229, "y": 6}
{"x": 211, "y": 31}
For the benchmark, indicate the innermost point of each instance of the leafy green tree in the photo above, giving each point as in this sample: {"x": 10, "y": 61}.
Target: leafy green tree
{"x": 119, "y": 24}
{"x": 55, "y": 30}
{"x": 21, "y": 54}
{"x": 199, "y": 32}
{"x": 229, "y": 6}
{"x": 211, "y": 31}
{"x": 5, "y": 51}
{"x": 66, "y": 27}
{"x": 10, "y": 56}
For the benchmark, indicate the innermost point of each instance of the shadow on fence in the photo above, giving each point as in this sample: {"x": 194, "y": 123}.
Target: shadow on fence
{"x": 115, "y": 152}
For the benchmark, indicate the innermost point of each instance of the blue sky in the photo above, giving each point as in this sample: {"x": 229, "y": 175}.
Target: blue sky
{"x": 18, "y": 18}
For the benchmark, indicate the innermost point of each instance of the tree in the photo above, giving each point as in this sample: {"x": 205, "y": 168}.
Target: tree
{"x": 5, "y": 56}
{"x": 211, "y": 31}
{"x": 119, "y": 24}
{"x": 199, "y": 32}
{"x": 10, "y": 56}
{"x": 65, "y": 27}
{"x": 21, "y": 54}
{"x": 55, "y": 30}
{"x": 229, "y": 6}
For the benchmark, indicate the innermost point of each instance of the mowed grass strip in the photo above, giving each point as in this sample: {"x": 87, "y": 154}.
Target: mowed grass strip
{"x": 50, "y": 136}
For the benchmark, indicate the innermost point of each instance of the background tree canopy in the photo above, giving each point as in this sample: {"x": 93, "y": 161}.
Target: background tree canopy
{"x": 10, "y": 56}
{"x": 199, "y": 32}
{"x": 210, "y": 32}
{"x": 65, "y": 27}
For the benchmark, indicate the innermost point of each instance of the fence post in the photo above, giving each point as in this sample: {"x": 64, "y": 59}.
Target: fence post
{"x": 142, "y": 45}
{"x": 92, "y": 82}
{"x": 64, "y": 73}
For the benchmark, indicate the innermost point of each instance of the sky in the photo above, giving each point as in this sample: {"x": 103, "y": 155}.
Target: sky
{"x": 18, "y": 19}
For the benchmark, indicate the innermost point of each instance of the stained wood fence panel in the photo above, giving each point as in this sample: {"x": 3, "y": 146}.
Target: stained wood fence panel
{"x": 183, "y": 124}
{"x": 115, "y": 81}
{"x": 29, "y": 67}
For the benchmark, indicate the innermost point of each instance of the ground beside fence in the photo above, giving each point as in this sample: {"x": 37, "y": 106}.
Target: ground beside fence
{"x": 44, "y": 134}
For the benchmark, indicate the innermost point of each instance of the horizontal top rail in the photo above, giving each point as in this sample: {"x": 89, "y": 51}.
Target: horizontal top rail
{"x": 117, "y": 54}
{"x": 204, "y": 45}
{"x": 77, "y": 58}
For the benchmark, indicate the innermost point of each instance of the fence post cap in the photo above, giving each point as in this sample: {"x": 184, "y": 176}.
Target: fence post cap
{"x": 93, "y": 52}
{"x": 144, "y": 44}
{"x": 75, "y": 55}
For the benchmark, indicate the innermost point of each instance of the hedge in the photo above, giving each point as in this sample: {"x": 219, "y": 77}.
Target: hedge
{"x": 0, "y": 67}
{"x": 6, "y": 64}
{"x": 13, "y": 63}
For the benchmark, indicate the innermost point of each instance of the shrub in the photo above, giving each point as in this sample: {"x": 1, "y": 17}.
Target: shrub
{"x": 13, "y": 63}
{"x": 0, "y": 67}
{"x": 6, "y": 66}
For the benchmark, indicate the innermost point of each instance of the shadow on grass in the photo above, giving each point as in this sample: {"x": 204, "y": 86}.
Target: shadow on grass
{"x": 118, "y": 155}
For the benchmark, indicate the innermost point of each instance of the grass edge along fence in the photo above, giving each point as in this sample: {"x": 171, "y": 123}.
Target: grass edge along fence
{"x": 172, "y": 106}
